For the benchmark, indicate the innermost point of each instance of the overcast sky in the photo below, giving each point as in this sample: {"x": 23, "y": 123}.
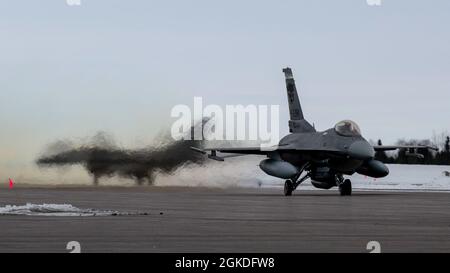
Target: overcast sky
{"x": 120, "y": 66}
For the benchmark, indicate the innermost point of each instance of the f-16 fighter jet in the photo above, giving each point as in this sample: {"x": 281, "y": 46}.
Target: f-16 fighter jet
{"x": 325, "y": 157}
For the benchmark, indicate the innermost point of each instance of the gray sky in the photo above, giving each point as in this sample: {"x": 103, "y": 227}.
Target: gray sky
{"x": 120, "y": 66}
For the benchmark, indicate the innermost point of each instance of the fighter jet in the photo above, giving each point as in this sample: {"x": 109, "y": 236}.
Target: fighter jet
{"x": 324, "y": 157}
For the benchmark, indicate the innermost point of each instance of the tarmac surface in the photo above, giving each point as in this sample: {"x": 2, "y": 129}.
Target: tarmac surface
{"x": 228, "y": 220}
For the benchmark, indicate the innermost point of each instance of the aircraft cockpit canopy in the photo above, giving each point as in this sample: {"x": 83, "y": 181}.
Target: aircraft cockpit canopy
{"x": 347, "y": 128}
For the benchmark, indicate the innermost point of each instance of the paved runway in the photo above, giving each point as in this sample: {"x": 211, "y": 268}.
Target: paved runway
{"x": 229, "y": 220}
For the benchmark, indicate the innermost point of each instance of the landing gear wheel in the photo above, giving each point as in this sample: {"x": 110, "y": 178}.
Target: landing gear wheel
{"x": 288, "y": 188}
{"x": 346, "y": 188}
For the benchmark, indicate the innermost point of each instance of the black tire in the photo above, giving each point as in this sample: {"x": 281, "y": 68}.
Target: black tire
{"x": 288, "y": 188}
{"x": 346, "y": 188}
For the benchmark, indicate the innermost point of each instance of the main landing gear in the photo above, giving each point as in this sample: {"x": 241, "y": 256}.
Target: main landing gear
{"x": 290, "y": 185}
{"x": 345, "y": 186}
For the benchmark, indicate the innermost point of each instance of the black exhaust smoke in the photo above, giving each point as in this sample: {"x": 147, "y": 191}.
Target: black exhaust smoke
{"x": 103, "y": 158}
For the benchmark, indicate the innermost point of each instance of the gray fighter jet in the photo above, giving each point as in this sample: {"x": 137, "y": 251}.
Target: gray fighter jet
{"x": 324, "y": 157}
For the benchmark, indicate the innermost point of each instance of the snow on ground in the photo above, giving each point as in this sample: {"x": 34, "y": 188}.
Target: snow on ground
{"x": 240, "y": 172}
{"x": 57, "y": 210}
{"x": 408, "y": 177}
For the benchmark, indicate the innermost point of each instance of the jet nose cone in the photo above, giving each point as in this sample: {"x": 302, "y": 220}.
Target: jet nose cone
{"x": 361, "y": 150}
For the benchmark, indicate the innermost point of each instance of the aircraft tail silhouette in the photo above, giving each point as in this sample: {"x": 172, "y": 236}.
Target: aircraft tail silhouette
{"x": 297, "y": 122}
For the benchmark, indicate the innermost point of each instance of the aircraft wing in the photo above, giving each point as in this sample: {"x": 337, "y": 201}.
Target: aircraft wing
{"x": 240, "y": 151}
{"x": 395, "y": 147}
{"x": 234, "y": 151}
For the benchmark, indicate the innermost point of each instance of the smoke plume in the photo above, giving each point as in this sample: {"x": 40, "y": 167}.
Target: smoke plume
{"x": 101, "y": 157}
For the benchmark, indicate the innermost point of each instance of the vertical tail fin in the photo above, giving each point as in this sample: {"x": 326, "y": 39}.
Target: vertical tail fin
{"x": 297, "y": 122}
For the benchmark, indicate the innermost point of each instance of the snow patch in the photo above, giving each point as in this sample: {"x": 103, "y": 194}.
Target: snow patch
{"x": 53, "y": 210}
{"x": 244, "y": 172}
{"x": 407, "y": 177}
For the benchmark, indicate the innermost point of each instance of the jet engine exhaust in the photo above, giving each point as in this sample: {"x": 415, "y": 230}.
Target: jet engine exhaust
{"x": 102, "y": 158}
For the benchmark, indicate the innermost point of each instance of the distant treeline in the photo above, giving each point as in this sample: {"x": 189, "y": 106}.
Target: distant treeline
{"x": 430, "y": 157}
